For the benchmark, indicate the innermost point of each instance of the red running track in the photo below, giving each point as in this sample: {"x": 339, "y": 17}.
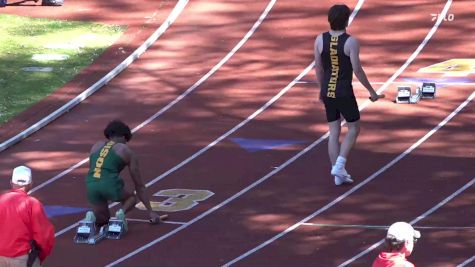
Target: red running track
{"x": 279, "y": 50}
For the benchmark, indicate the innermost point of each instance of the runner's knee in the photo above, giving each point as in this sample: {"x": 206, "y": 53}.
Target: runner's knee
{"x": 354, "y": 128}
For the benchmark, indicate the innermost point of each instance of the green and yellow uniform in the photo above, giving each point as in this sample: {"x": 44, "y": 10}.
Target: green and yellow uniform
{"x": 103, "y": 182}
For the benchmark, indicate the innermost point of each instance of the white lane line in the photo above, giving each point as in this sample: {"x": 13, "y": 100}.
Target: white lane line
{"x": 380, "y": 90}
{"x": 179, "y": 7}
{"x": 147, "y": 221}
{"x": 253, "y": 29}
{"x": 358, "y": 186}
{"x": 58, "y": 176}
{"x": 204, "y": 214}
{"x": 419, "y": 218}
{"x": 467, "y": 262}
{"x": 385, "y": 227}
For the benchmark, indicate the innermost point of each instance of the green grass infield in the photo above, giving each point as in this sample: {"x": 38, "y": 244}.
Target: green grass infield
{"x": 38, "y": 56}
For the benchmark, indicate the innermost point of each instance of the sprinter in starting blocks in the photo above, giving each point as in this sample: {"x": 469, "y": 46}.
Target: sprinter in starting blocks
{"x": 104, "y": 185}
{"x": 86, "y": 232}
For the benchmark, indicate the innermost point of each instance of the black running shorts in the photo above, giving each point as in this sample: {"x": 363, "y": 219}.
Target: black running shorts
{"x": 345, "y": 106}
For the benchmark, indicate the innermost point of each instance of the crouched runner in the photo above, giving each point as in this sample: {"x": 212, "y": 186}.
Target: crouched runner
{"x": 107, "y": 159}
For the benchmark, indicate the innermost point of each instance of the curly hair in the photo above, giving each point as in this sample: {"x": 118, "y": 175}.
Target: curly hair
{"x": 117, "y": 128}
{"x": 338, "y": 17}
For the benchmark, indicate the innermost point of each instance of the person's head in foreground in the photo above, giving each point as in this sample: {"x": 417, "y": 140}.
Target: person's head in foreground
{"x": 401, "y": 237}
{"x": 21, "y": 178}
{"x": 338, "y": 17}
{"x": 118, "y": 131}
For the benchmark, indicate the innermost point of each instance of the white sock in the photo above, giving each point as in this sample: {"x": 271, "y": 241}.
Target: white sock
{"x": 340, "y": 162}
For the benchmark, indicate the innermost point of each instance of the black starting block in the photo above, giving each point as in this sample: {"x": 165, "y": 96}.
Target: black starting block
{"x": 86, "y": 233}
{"x": 116, "y": 229}
{"x": 428, "y": 90}
{"x": 403, "y": 94}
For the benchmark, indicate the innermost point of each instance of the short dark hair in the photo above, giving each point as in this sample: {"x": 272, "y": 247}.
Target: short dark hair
{"x": 393, "y": 244}
{"x": 338, "y": 17}
{"x": 117, "y": 128}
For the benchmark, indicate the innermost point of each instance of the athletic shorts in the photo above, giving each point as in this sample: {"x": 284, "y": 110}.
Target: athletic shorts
{"x": 100, "y": 192}
{"x": 345, "y": 106}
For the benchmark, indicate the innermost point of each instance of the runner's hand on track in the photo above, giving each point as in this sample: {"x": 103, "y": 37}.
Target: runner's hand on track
{"x": 156, "y": 218}
{"x": 374, "y": 97}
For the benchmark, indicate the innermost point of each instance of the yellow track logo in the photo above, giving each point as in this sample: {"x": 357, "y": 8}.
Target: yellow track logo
{"x": 457, "y": 67}
{"x": 177, "y": 199}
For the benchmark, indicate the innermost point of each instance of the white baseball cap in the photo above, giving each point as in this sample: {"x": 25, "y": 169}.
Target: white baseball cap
{"x": 21, "y": 176}
{"x": 402, "y": 231}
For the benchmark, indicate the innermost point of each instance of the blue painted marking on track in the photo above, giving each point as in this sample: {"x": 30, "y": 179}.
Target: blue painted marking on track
{"x": 55, "y": 210}
{"x": 254, "y": 145}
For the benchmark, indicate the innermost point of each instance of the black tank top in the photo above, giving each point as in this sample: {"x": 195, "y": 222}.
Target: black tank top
{"x": 337, "y": 68}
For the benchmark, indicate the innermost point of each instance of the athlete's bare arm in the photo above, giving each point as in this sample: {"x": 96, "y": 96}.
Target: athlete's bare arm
{"x": 132, "y": 162}
{"x": 318, "y": 59}
{"x": 352, "y": 49}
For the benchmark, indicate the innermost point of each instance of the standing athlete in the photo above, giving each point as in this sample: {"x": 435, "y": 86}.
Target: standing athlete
{"x": 103, "y": 183}
{"x": 336, "y": 58}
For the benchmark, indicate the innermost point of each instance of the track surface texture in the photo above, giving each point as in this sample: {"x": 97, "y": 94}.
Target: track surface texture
{"x": 272, "y": 207}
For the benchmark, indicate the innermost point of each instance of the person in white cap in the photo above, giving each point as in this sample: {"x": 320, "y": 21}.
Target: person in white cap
{"x": 400, "y": 240}
{"x": 26, "y": 234}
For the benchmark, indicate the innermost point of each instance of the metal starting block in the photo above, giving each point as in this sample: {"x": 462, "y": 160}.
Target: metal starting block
{"x": 403, "y": 94}
{"x": 415, "y": 97}
{"x": 428, "y": 90}
{"x": 86, "y": 233}
{"x": 116, "y": 229}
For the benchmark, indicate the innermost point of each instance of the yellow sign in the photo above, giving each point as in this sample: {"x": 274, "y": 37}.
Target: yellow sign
{"x": 457, "y": 67}
{"x": 177, "y": 199}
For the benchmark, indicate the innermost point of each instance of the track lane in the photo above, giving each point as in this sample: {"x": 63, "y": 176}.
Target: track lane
{"x": 415, "y": 184}
{"x": 105, "y": 109}
{"x": 448, "y": 141}
{"x": 200, "y": 247}
{"x": 191, "y": 172}
{"x": 444, "y": 247}
{"x": 151, "y": 161}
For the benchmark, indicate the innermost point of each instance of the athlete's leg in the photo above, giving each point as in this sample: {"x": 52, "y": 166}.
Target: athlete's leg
{"x": 98, "y": 202}
{"x": 334, "y": 126}
{"x": 128, "y": 200}
{"x": 101, "y": 211}
{"x": 350, "y": 139}
{"x": 334, "y": 140}
{"x": 349, "y": 110}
